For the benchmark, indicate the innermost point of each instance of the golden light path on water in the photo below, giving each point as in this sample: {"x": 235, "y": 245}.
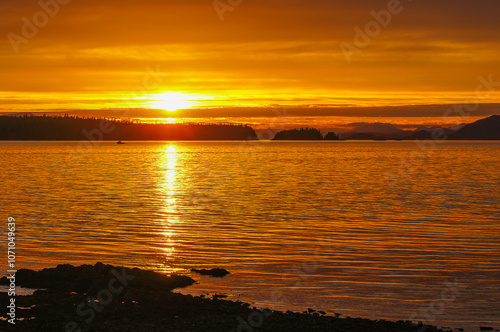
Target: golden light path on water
{"x": 169, "y": 184}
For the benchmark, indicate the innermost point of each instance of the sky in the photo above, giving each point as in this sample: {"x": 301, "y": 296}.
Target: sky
{"x": 234, "y": 58}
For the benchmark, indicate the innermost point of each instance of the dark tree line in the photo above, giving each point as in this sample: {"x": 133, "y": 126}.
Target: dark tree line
{"x": 89, "y": 128}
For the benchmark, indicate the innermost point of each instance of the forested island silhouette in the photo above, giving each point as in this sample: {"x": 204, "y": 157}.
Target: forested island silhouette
{"x": 69, "y": 128}
{"x": 306, "y": 134}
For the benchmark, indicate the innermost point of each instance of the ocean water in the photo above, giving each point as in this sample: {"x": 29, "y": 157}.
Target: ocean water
{"x": 391, "y": 230}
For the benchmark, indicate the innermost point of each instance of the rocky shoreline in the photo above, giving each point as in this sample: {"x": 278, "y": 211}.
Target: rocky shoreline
{"x": 108, "y": 298}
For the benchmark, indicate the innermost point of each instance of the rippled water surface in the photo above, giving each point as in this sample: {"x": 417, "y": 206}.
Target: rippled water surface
{"x": 372, "y": 229}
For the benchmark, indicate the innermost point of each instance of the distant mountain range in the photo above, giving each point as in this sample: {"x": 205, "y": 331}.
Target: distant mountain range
{"x": 484, "y": 129}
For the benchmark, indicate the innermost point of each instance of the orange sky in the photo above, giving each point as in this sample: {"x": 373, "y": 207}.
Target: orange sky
{"x": 137, "y": 54}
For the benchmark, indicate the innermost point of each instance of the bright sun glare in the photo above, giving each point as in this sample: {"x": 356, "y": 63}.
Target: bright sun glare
{"x": 171, "y": 101}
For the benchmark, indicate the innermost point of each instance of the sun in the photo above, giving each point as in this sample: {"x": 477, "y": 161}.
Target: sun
{"x": 171, "y": 101}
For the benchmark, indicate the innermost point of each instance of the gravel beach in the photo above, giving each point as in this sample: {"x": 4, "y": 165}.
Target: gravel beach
{"x": 108, "y": 298}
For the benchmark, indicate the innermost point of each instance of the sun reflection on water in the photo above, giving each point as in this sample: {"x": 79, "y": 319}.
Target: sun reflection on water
{"x": 168, "y": 186}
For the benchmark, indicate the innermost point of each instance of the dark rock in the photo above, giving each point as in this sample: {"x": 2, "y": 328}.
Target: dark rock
{"x": 212, "y": 272}
{"x": 86, "y": 278}
{"x": 218, "y": 296}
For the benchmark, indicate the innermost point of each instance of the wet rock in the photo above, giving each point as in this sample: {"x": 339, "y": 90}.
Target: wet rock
{"x": 212, "y": 272}
{"x": 218, "y": 296}
{"x": 88, "y": 278}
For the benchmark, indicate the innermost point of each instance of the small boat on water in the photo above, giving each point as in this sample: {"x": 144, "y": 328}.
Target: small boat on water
{"x": 120, "y": 142}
